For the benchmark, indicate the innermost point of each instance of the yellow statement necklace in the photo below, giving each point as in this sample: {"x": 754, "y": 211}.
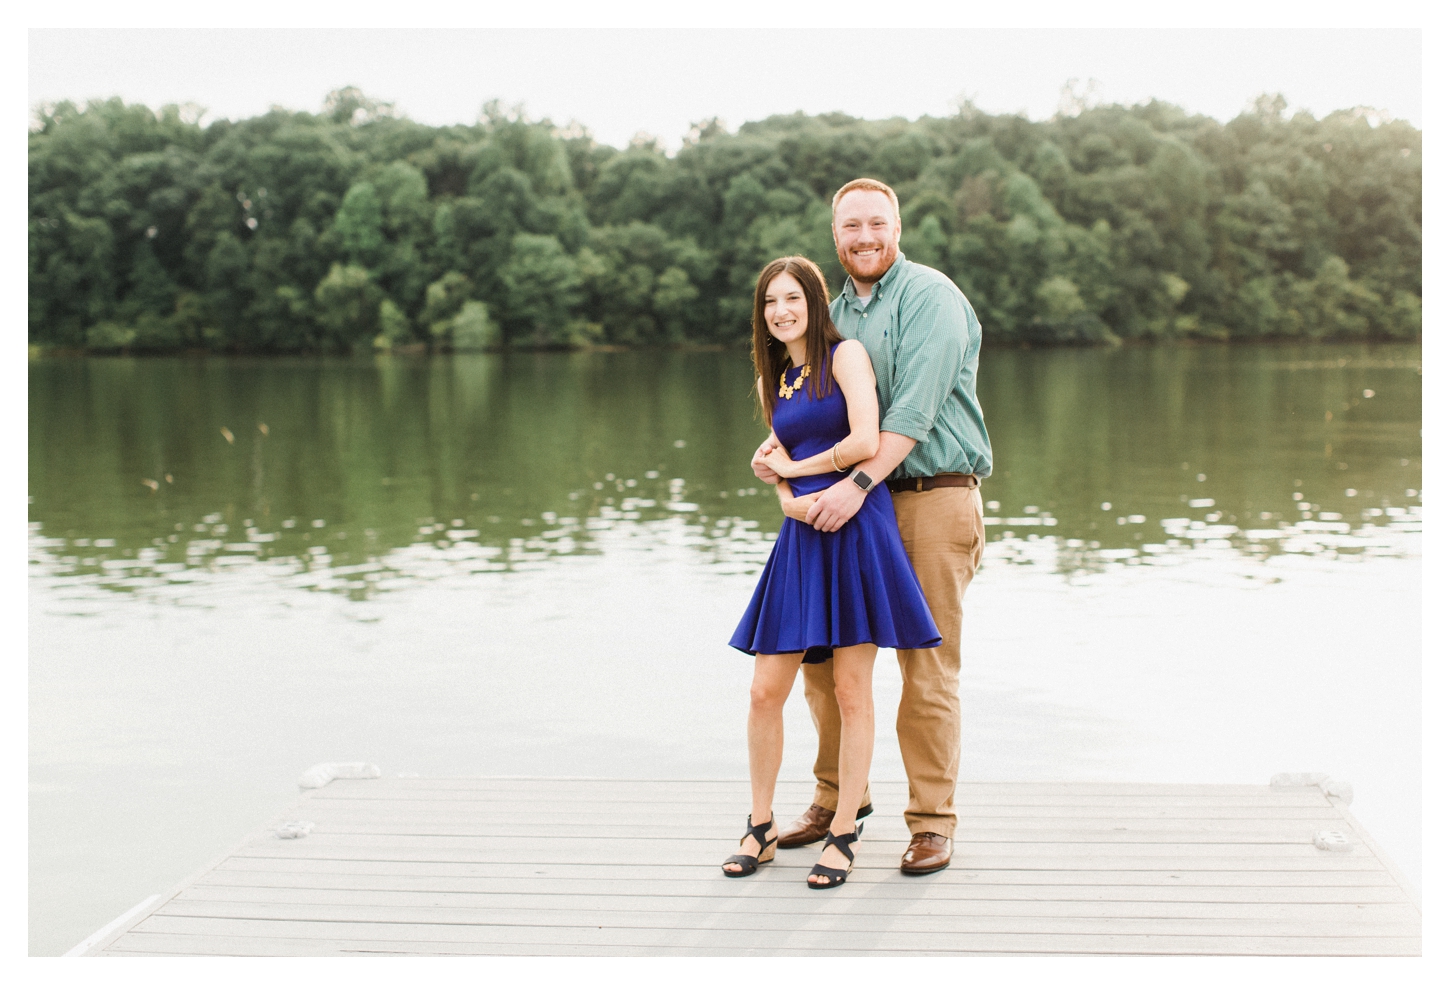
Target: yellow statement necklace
{"x": 788, "y": 391}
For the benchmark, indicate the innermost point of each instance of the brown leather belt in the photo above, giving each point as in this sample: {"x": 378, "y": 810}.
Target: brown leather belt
{"x": 925, "y": 482}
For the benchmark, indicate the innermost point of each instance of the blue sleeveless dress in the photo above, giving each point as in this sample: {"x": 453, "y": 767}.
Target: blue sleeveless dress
{"x": 824, "y": 590}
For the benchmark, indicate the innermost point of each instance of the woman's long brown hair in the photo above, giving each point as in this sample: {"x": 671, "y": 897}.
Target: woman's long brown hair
{"x": 771, "y": 357}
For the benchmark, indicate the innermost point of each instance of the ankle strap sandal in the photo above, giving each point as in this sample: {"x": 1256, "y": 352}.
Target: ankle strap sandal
{"x": 749, "y": 863}
{"x": 836, "y": 876}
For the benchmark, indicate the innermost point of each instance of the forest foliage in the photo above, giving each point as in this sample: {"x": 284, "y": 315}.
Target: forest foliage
{"x": 355, "y": 228}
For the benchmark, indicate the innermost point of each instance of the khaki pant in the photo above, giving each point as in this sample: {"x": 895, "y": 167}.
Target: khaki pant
{"x": 943, "y": 533}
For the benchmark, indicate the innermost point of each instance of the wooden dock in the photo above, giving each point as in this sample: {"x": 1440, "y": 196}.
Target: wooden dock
{"x": 511, "y": 866}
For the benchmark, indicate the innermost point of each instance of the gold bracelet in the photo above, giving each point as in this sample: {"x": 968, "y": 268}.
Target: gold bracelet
{"x": 834, "y": 464}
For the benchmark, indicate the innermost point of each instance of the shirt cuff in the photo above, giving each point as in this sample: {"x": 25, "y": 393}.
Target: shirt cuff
{"x": 907, "y": 422}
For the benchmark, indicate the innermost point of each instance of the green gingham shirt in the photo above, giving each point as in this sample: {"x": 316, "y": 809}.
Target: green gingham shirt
{"x": 923, "y": 338}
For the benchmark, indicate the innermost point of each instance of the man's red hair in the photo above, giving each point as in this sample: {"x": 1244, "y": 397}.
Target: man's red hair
{"x": 868, "y": 184}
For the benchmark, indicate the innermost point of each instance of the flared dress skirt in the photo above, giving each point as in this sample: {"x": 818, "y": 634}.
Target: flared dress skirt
{"x": 821, "y": 590}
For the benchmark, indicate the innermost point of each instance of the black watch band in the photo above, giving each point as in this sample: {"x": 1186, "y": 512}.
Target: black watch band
{"x": 863, "y": 481}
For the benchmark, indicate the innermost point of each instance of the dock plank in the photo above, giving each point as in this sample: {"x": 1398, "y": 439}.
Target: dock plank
{"x": 690, "y": 847}
{"x": 543, "y": 801}
{"x": 259, "y": 918}
{"x": 515, "y": 814}
{"x": 373, "y": 904}
{"x": 1059, "y": 886}
{"x": 880, "y": 940}
{"x": 476, "y": 871}
{"x": 159, "y": 944}
{"x": 462, "y": 865}
{"x": 1098, "y": 831}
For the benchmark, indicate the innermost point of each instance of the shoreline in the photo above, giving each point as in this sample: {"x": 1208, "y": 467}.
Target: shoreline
{"x": 423, "y": 351}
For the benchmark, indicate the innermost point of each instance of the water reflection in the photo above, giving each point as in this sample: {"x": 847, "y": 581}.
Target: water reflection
{"x": 181, "y": 480}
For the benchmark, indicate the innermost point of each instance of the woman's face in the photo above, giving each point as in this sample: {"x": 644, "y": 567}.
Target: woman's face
{"x": 785, "y": 308}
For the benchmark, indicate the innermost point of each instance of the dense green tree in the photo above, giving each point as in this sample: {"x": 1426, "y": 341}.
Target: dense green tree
{"x": 392, "y": 325}
{"x": 472, "y": 328}
{"x": 542, "y": 286}
{"x": 295, "y": 231}
{"x": 641, "y": 286}
{"x": 359, "y": 225}
{"x": 348, "y": 307}
{"x": 446, "y": 296}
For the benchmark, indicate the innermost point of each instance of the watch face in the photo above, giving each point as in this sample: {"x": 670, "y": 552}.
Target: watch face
{"x": 862, "y": 479}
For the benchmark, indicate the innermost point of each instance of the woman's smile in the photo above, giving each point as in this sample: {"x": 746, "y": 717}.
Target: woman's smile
{"x": 786, "y": 314}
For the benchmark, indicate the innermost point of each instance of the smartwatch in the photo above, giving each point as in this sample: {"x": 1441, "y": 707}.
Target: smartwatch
{"x": 863, "y": 481}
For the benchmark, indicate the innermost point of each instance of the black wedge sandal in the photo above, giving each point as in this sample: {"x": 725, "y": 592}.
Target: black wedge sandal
{"x": 837, "y": 876}
{"x": 749, "y": 863}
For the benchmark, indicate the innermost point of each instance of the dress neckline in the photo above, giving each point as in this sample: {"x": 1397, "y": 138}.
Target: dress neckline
{"x": 796, "y": 369}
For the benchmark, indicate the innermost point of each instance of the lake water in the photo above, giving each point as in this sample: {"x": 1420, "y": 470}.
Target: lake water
{"x": 1204, "y": 566}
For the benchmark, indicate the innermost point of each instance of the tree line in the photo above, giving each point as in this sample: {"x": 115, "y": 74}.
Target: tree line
{"x": 355, "y": 228}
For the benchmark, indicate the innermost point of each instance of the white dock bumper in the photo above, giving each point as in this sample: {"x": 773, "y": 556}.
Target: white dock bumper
{"x": 1331, "y": 788}
{"x": 324, "y": 773}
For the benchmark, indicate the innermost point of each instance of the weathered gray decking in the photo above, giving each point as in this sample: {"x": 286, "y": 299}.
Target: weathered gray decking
{"x": 564, "y": 866}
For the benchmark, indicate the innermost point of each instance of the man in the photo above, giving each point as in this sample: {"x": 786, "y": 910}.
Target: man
{"x": 923, "y": 338}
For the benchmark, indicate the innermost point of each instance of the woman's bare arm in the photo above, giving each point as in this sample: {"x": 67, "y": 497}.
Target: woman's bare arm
{"x": 793, "y": 506}
{"x": 851, "y": 368}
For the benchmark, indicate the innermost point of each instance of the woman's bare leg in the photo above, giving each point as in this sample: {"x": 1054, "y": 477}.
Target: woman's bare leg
{"x": 854, "y": 665}
{"x": 765, "y": 731}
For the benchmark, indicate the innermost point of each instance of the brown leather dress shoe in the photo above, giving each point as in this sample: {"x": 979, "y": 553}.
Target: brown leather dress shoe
{"x": 812, "y": 826}
{"x": 927, "y": 852}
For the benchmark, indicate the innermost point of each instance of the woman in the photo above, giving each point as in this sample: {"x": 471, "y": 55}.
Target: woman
{"x": 822, "y": 596}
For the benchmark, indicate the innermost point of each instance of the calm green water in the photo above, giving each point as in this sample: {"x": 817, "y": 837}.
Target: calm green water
{"x": 1203, "y": 567}
{"x": 357, "y": 476}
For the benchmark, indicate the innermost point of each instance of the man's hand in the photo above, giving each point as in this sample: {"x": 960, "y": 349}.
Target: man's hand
{"x": 835, "y": 505}
{"x": 762, "y": 471}
{"x": 797, "y": 507}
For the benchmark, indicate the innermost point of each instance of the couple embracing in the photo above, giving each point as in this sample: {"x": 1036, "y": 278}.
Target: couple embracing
{"x": 876, "y": 449}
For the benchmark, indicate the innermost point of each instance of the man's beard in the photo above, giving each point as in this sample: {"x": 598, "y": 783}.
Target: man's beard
{"x": 869, "y": 273}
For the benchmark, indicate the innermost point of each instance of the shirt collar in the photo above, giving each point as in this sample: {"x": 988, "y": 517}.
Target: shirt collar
{"x": 849, "y": 289}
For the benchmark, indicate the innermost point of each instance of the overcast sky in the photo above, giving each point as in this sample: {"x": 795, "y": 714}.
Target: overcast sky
{"x": 621, "y": 82}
